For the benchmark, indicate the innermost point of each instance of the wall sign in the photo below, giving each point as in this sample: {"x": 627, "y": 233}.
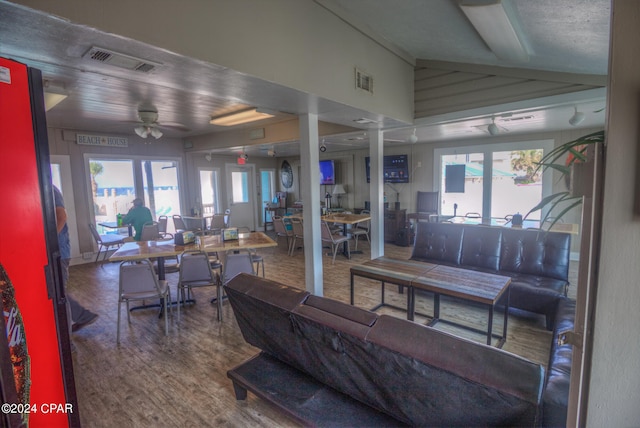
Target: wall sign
{"x": 99, "y": 140}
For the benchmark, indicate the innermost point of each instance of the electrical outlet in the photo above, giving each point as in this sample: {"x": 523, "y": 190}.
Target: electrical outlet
{"x": 419, "y": 164}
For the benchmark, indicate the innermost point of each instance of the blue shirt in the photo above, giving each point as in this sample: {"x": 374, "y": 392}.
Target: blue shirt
{"x": 63, "y": 237}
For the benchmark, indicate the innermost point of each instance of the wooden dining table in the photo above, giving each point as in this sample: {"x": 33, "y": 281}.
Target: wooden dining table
{"x": 139, "y": 250}
{"x": 345, "y": 220}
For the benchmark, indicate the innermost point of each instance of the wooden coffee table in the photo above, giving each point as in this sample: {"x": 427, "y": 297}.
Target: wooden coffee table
{"x": 465, "y": 284}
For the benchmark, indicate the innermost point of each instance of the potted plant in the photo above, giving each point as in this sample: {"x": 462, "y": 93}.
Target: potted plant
{"x": 576, "y": 154}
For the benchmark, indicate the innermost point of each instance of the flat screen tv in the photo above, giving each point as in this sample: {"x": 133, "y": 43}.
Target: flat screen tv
{"x": 327, "y": 172}
{"x": 395, "y": 169}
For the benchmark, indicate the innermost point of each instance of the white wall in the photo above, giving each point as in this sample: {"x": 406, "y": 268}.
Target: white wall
{"x": 615, "y": 375}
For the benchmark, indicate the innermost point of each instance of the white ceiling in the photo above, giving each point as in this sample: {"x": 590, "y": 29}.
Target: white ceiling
{"x": 561, "y": 35}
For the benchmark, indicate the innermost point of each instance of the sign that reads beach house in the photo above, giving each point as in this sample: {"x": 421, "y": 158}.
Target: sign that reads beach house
{"x": 100, "y": 140}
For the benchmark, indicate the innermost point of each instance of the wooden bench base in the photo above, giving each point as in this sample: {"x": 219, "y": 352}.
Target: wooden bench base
{"x": 301, "y": 397}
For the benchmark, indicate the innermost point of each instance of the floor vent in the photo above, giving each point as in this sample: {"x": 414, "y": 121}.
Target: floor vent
{"x": 117, "y": 59}
{"x": 364, "y": 81}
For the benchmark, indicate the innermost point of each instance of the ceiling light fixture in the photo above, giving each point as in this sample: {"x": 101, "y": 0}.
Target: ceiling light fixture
{"x": 491, "y": 21}
{"x": 413, "y": 138}
{"x": 239, "y": 117}
{"x": 493, "y": 128}
{"x": 577, "y": 117}
{"x": 271, "y": 153}
{"x": 144, "y": 131}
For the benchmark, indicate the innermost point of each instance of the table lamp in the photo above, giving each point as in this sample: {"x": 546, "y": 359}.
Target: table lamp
{"x": 338, "y": 190}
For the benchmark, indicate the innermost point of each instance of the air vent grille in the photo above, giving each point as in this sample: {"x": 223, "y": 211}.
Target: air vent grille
{"x": 364, "y": 81}
{"x": 121, "y": 60}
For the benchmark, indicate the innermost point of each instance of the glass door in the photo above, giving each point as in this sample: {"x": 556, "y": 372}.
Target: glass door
{"x": 209, "y": 192}
{"x": 112, "y": 189}
{"x": 241, "y": 194}
{"x": 462, "y": 192}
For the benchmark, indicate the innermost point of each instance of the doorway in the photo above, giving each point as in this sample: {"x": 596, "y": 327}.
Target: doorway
{"x": 241, "y": 191}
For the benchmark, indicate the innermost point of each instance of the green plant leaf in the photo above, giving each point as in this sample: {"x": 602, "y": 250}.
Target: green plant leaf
{"x": 545, "y": 201}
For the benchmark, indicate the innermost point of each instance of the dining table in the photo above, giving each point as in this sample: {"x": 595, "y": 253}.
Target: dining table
{"x": 345, "y": 220}
{"x": 159, "y": 250}
{"x": 114, "y": 225}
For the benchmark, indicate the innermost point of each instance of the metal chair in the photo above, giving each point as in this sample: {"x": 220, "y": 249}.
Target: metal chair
{"x": 334, "y": 240}
{"x": 139, "y": 282}
{"x": 178, "y": 223}
{"x": 105, "y": 241}
{"x": 217, "y": 223}
{"x": 361, "y": 228}
{"x": 280, "y": 227}
{"x": 235, "y": 263}
{"x": 150, "y": 231}
{"x": 162, "y": 226}
{"x": 195, "y": 271}
{"x": 298, "y": 233}
{"x": 255, "y": 257}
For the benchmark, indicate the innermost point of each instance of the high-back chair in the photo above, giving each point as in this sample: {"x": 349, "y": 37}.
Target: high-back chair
{"x": 105, "y": 241}
{"x": 178, "y": 223}
{"x": 139, "y": 282}
{"x": 297, "y": 230}
{"x": 162, "y": 226}
{"x": 237, "y": 262}
{"x": 150, "y": 231}
{"x": 195, "y": 271}
{"x": 334, "y": 240}
{"x": 255, "y": 257}
{"x": 281, "y": 229}
{"x": 217, "y": 223}
{"x": 361, "y": 228}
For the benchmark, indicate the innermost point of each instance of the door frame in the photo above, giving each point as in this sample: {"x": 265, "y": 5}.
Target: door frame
{"x": 69, "y": 202}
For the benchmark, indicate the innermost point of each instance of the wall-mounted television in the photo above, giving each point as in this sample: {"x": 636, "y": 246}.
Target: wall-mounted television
{"x": 327, "y": 172}
{"x": 395, "y": 169}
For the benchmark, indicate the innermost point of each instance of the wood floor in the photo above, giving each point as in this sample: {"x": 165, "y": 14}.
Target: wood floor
{"x": 180, "y": 380}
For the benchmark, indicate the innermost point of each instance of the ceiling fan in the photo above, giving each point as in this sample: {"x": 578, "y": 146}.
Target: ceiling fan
{"x": 150, "y": 124}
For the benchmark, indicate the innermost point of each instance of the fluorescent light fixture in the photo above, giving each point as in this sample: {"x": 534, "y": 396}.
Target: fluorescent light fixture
{"x": 51, "y": 100}
{"x": 240, "y": 117}
{"x": 491, "y": 21}
{"x": 577, "y": 117}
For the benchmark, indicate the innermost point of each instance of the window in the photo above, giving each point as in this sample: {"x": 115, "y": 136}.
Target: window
{"x": 498, "y": 179}
{"x": 267, "y": 183}
{"x": 240, "y": 193}
{"x": 116, "y": 182}
{"x": 209, "y": 191}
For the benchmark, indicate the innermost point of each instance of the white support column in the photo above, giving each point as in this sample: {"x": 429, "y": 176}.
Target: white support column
{"x": 376, "y": 189}
{"x": 310, "y": 183}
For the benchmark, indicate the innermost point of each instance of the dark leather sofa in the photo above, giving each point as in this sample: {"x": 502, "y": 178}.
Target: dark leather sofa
{"x": 417, "y": 375}
{"x": 556, "y": 392}
{"x": 537, "y": 261}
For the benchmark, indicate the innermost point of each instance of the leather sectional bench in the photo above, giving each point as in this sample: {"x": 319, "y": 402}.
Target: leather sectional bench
{"x": 537, "y": 261}
{"x": 402, "y": 372}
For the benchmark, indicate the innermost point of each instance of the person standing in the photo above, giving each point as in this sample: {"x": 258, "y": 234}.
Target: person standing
{"x": 137, "y": 216}
{"x": 80, "y": 316}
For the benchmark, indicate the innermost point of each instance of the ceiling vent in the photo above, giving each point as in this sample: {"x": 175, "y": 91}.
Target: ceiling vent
{"x": 117, "y": 59}
{"x": 364, "y": 81}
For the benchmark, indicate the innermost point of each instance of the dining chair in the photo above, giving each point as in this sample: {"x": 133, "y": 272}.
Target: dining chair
{"x": 280, "y": 227}
{"x": 334, "y": 240}
{"x": 139, "y": 282}
{"x": 361, "y": 228}
{"x": 195, "y": 271}
{"x": 236, "y": 262}
{"x": 150, "y": 231}
{"x": 217, "y": 223}
{"x": 104, "y": 241}
{"x": 163, "y": 220}
{"x": 255, "y": 257}
{"x": 178, "y": 223}
{"x": 297, "y": 230}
